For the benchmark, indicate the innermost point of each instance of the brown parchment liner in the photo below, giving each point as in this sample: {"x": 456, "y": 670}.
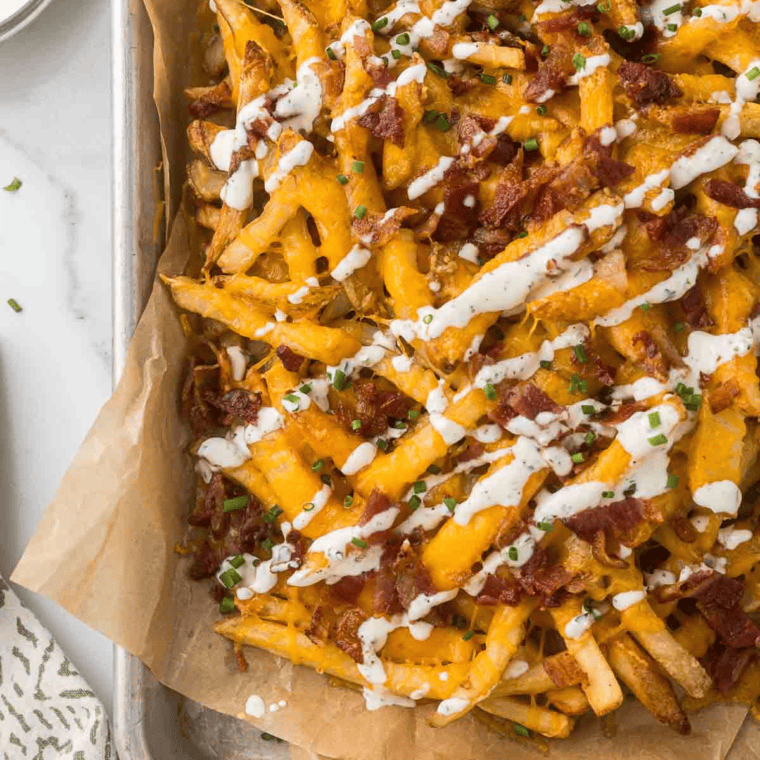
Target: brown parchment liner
{"x": 105, "y": 549}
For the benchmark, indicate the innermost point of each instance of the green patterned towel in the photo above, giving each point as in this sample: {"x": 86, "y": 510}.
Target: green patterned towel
{"x": 47, "y": 711}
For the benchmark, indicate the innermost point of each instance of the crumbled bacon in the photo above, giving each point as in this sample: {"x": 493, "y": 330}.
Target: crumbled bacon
{"x": 347, "y": 633}
{"x": 212, "y": 101}
{"x": 385, "y": 119}
{"x": 382, "y": 76}
{"x": 373, "y": 408}
{"x": 525, "y": 399}
{"x": 612, "y": 172}
{"x": 695, "y": 308}
{"x": 378, "y": 502}
{"x": 505, "y": 208}
{"x": 565, "y": 22}
{"x": 289, "y": 358}
{"x": 719, "y": 600}
{"x": 550, "y": 78}
{"x": 622, "y": 413}
{"x": 412, "y": 577}
{"x": 238, "y": 404}
{"x": 347, "y": 589}
{"x": 645, "y": 85}
{"x": 538, "y": 578}
{"x": 610, "y": 518}
{"x": 473, "y": 451}
{"x": 729, "y": 194}
{"x": 458, "y": 219}
{"x": 726, "y": 664}
{"x": 378, "y": 229}
{"x": 205, "y": 562}
{"x": 672, "y": 233}
{"x": 200, "y": 387}
{"x": 695, "y": 121}
{"x": 211, "y": 504}
{"x": 723, "y": 395}
{"x": 319, "y": 628}
{"x": 499, "y": 590}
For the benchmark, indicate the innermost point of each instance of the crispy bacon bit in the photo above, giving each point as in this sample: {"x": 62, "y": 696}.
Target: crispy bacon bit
{"x": 412, "y": 577}
{"x": 347, "y": 589}
{"x": 645, "y": 85}
{"x": 298, "y": 544}
{"x": 726, "y": 664}
{"x": 683, "y": 529}
{"x": 525, "y": 399}
{"x": 539, "y": 578}
{"x": 719, "y": 600}
{"x": 473, "y": 451}
{"x": 362, "y": 46}
{"x": 373, "y": 408}
{"x": 672, "y": 233}
{"x": 682, "y": 588}
{"x": 564, "y": 670}
{"x": 500, "y": 590}
{"x": 611, "y": 172}
{"x": 319, "y": 628}
{"x": 212, "y": 101}
{"x": 729, "y": 194}
{"x": 378, "y": 502}
{"x": 505, "y": 151}
{"x": 603, "y": 372}
{"x": 347, "y": 633}
{"x": 611, "y": 518}
{"x": 723, "y": 395}
{"x": 564, "y": 22}
{"x": 385, "y": 119}
{"x": 695, "y": 121}
{"x": 200, "y": 387}
{"x": 289, "y": 358}
{"x": 505, "y": 207}
{"x": 205, "y": 562}
{"x": 239, "y": 404}
{"x": 460, "y": 212}
{"x": 550, "y": 77}
{"x": 378, "y": 229}
{"x": 211, "y": 504}
{"x": 622, "y": 413}
{"x": 695, "y": 308}
{"x": 382, "y": 76}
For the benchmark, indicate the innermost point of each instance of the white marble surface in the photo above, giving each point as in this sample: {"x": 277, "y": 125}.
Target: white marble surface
{"x": 55, "y": 365}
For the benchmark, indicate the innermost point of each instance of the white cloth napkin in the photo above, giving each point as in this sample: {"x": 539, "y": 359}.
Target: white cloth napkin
{"x": 47, "y": 710}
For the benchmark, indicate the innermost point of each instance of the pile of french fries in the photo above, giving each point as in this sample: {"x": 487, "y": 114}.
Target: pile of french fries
{"x": 326, "y": 236}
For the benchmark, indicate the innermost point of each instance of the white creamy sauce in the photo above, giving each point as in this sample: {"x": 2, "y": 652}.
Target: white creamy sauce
{"x": 749, "y": 154}
{"x": 720, "y": 496}
{"x": 715, "y": 153}
{"x": 463, "y": 50}
{"x": 222, "y": 454}
{"x": 355, "y": 259}
{"x": 314, "y": 507}
{"x": 487, "y": 433}
{"x": 593, "y": 63}
{"x": 298, "y": 156}
{"x": 452, "y": 706}
{"x": 402, "y": 363}
{"x": 378, "y": 697}
{"x": 430, "y": 178}
{"x": 469, "y": 252}
{"x": 747, "y": 91}
{"x": 627, "y": 599}
{"x": 700, "y": 522}
{"x": 516, "y": 668}
{"x": 255, "y": 706}
{"x": 579, "y": 625}
{"x": 732, "y": 537}
{"x": 659, "y": 578}
{"x": 238, "y": 362}
{"x": 359, "y": 458}
{"x": 297, "y": 297}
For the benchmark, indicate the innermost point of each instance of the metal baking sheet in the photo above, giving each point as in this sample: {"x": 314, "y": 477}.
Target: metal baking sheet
{"x": 151, "y": 722}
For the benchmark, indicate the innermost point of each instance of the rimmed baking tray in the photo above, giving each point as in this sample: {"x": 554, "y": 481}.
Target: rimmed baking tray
{"x": 151, "y": 722}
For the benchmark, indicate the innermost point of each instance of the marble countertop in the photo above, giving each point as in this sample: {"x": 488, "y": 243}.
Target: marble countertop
{"x": 55, "y": 260}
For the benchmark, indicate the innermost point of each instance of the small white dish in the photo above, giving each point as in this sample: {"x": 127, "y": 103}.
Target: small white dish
{"x": 16, "y": 14}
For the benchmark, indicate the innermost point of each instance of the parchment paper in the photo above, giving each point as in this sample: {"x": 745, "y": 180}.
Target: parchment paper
{"x": 105, "y": 549}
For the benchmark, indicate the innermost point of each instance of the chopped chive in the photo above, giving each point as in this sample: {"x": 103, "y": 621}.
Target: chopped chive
{"x": 399, "y": 425}
{"x": 216, "y": 27}
{"x": 468, "y": 635}
{"x": 753, "y": 73}
{"x": 531, "y": 144}
{"x": 579, "y": 62}
{"x": 308, "y": 506}
{"x": 654, "y": 419}
{"x": 608, "y": 494}
{"x": 522, "y": 17}
{"x": 348, "y": 501}
{"x": 326, "y": 479}
{"x": 697, "y": 12}
{"x": 230, "y": 577}
{"x": 649, "y": 58}
{"x": 318, "y": 465}
{"x": 343, "y": 179}
{"x": 239, "y": 502}
{"x": 520, "y": 730}
{"x": 412, "y": 414}
{"x": 395, "y": 54}
{"x": 292, "y": 398}
{"x": 626, "y": 33}
{"x": 427, "y": 319}
{"x": 583, "y": 386}
{"x": 487, "y": 79}
{"x": 227, "y": 605}
{"x": 339, "y": 380}
{"x": 402, "y": 39}
{"x": 15, "y": 305}
{"x": 273, "y": 514}
{"x": 490, "y": 391}
{"x": 357, "y": 166}
{"x": 580, "y": 354}
{"x": 356, "y": 424}
{"x": 492, "y": 21}
{"x": 646, "y": 306}
{"x": 679, "y": 327}
{"x": 545, "y": 526}
{"x": 523, "y": 234}
{"x": 450, "y": 503}
{"x": 672, "y": 481}
{"x": 305, "y": 389}
{"x": 671, "y": 27}
{"x": 434, "y": 469}
{"x": 541, "y": 110}
{"x": 512, "y": 553}
{"x": 578, "y": 457}
{"x": 574, "y": 380}
{"x": 681, "y": 389}
{"x": 672, "y": 9}
{"x": 360, "y": 212}
{"x": 442, "y": 122}
{"x": 382, "y": 445}
{"x": 237, "y": 561}
{"x": 694, "y": 402}
{"x": 331, "y": 55}
{"x": 507, "y": 79}
{"x": 604, "y": 7}
{"x": 358, "y": 542}
{"x": 545, "y": 364}
{"x": 14, "y": 186}
{"x": 545, "y": 51}
{"x": 381, "y": 23}
{"x": 419, "y": 486}
{"x": 438, "y": 70}
{"x": 588, "y": 409}
{"x": 658, "y": 440}
{"x": 459, "y": 621}
{"x": 429, "y": 117}
{"x": 584, "y": 29}
{"x": 414, "y": 502}
{"x": 590, "y": 438}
